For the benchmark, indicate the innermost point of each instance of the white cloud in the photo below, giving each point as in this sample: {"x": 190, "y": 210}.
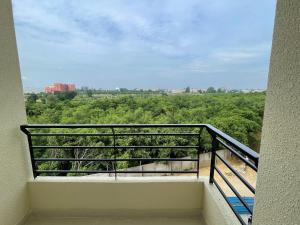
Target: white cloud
{"x": 236, "y": 55}
{"x": 121, "y": 37}
{"x": 225, "y": 60}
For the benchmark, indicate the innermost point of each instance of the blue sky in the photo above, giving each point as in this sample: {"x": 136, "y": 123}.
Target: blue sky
{"x": 145, "y": 43}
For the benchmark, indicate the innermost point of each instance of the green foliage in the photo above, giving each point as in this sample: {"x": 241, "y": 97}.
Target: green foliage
{"x": 89, "y": 93}
{"x": 66, "y": 95}
{"x": 211, "y": 90}
{"x": 32, "y": 97}
{"x": 237, "y": 114}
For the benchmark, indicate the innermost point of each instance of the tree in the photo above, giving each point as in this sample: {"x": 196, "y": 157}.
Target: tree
{"x": 32, "y": 97}
{"x": 221, "y": 90}
{"x": 51, "y": 99}
{"x": 211, "y": 90}
{"x": 89, "y": 93}
{"x": 187, "y": 90}
{"x": 238, "y": 114}
{"x": 66, "y": 95}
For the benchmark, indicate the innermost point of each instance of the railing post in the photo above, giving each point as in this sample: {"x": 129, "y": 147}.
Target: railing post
{"x": 33, "y": 166}
{"x": 213, "y": 158}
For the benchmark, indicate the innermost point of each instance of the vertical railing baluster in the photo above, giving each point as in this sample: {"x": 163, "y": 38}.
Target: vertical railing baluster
{"x": 213, "y": 158}
{"x": 198, "y": 152}
{"x": 256, "y": 163}
{"x": 115, "y": 152}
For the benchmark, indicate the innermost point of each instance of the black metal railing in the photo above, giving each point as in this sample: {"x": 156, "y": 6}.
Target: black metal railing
{"x": 191, "y": 136}
{"x": 243, "y": 153}
{"x": 111, "y": 131}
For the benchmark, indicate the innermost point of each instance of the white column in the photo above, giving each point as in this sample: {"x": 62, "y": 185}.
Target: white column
{"x": 278, "y": 182}
{"x": 14, "y": 164}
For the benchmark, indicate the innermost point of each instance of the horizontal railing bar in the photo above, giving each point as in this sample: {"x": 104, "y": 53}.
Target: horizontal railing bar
{"x": 246, "y": 150}
{"x": 74, "y": 126}
{"x": 230, "y": 205}
{"x": 248, "y": 185}
{"x": 117, "y": 159}
{"x": 112, "y": 171}
{"x": 241, "y": 147}
{"x": 234, "y": 190}
{"x": 237, "y": 154}
{"x": 111, "y": 147}
{"x": 116, "y": 134}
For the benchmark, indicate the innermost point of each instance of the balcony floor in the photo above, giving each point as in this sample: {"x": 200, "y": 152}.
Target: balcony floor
{"x": 124, "y": 220}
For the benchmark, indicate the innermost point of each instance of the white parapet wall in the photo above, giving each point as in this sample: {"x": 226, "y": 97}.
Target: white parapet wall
{"x": 83, "y": 194}
{"x": 135, "y": 196}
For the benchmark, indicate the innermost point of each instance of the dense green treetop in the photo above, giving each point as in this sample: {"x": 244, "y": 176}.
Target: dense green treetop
{"x": 237, "y": 114}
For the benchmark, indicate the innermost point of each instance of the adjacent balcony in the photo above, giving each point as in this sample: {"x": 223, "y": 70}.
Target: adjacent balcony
{"x": 82, "y": 177}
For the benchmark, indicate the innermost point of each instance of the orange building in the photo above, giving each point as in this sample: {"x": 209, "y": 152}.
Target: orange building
{"x": 59, "y": 87}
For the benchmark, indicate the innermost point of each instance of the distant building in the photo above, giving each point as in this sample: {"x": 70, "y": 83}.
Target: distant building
{"x": 59, "y": 87}
{"x": 177, "y": 91}
{"x": 194, "y": 90}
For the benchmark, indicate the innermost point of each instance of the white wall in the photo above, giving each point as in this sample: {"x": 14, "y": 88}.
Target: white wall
{"x": 14, "y": 168}
{"x": 91, "y": 194}
{"x": 278, "y": 181}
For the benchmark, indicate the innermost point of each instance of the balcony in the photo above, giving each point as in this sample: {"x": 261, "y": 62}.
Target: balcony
{"x": 28, "y": 196}
{"x": 159, "y": 190}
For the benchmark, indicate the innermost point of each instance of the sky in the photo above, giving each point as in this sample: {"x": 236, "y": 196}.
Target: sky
{"x": 165, "y": 44}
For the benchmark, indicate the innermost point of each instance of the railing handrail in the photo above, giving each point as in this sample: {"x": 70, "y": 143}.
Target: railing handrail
{"x": 241, "y": 147}
{"x": 109, "y": 125}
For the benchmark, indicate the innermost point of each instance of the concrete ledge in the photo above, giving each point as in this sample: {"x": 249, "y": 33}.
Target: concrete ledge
{"x": 118, "y": 180}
